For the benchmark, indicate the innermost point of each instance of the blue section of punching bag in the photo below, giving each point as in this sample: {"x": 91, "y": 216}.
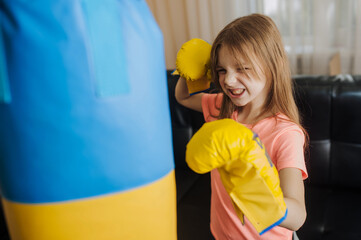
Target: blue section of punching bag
{"x": 108, "y": 50}
{"x": 5, "y": 96}
{"x": 89, "y": 108}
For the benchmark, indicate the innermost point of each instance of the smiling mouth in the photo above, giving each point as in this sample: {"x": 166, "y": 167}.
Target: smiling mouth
{"x": 237, "y": 92}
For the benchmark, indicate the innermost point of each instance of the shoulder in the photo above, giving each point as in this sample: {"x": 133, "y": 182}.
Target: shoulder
{"x": 289, "y": 140}
{"x": 277, "y": 126}
{"x": 278, "y": 130}
{"x": 286, "y": 133}
{"x": 212, "y": 99}
{"x": 284, "y": 126}
{"x": 284, "y": 141}
{"x": 211, "y": 105}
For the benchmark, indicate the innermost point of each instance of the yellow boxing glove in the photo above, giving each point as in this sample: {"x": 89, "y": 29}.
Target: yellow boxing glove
{"x": 193, "y": 64}
{"x": 247, "y": 173}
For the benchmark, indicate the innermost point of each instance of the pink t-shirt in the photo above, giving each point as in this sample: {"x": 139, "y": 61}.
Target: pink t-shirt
{"x": 284, "y": 143}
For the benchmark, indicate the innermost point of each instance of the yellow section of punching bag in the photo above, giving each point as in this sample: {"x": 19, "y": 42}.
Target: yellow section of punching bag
{"x": 148, "y": 212}
{"x": 246, "y": 171}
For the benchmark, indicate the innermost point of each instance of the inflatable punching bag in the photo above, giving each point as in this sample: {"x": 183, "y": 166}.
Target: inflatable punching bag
{"x": 85, "y": 134}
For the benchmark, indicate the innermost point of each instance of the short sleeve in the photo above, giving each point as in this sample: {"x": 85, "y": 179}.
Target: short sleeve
{"x": 211, "y": 103}
{"x": 290, "y": 151}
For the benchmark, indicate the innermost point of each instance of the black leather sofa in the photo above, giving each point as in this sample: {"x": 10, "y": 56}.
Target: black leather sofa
{"x": 331, "y": 109}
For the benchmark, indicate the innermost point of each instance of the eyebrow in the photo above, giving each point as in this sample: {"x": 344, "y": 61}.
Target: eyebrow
{"x": 238, "y": 65}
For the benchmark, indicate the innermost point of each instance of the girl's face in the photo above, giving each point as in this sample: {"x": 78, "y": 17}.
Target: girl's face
{"x": 240, "y": 82}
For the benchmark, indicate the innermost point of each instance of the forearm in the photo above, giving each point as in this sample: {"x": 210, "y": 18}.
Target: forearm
{"x": 294, "y": 196}
{"x": 181, "y": 90}
{"x": 296, "y": 215}
{"x": 182, "y": 96}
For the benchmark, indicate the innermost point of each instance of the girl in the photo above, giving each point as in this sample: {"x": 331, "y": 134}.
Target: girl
{"x": 251, "y": 71}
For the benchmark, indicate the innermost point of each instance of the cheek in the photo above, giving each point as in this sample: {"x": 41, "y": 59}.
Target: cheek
{"x": 261, "y": 88}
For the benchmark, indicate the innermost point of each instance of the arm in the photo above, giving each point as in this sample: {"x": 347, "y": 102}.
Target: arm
{"x": 252, "y": 183}
{"x": 294, "y": 195}
{"x": 182, "y": 96}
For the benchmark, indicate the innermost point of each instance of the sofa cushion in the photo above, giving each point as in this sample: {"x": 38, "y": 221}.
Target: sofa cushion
{"x": 331, "y": 107}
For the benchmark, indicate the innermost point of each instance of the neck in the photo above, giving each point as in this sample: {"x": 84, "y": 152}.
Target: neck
{"x": 250, "y": 116}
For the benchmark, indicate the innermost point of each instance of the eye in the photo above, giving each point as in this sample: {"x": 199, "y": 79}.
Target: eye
{"x": 220, "y": 71}
{"x": 243, "y": 69}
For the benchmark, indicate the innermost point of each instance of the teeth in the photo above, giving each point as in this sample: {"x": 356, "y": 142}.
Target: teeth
{"x": 237, "y": 91}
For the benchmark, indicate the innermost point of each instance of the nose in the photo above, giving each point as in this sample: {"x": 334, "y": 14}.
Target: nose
{"x": 230, "y": 79}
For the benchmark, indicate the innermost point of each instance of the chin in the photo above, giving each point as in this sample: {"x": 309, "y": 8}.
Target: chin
{"x": 238, "y": 103}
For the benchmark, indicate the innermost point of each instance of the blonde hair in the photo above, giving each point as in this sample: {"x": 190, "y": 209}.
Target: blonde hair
{"x": 256, "y": 37}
